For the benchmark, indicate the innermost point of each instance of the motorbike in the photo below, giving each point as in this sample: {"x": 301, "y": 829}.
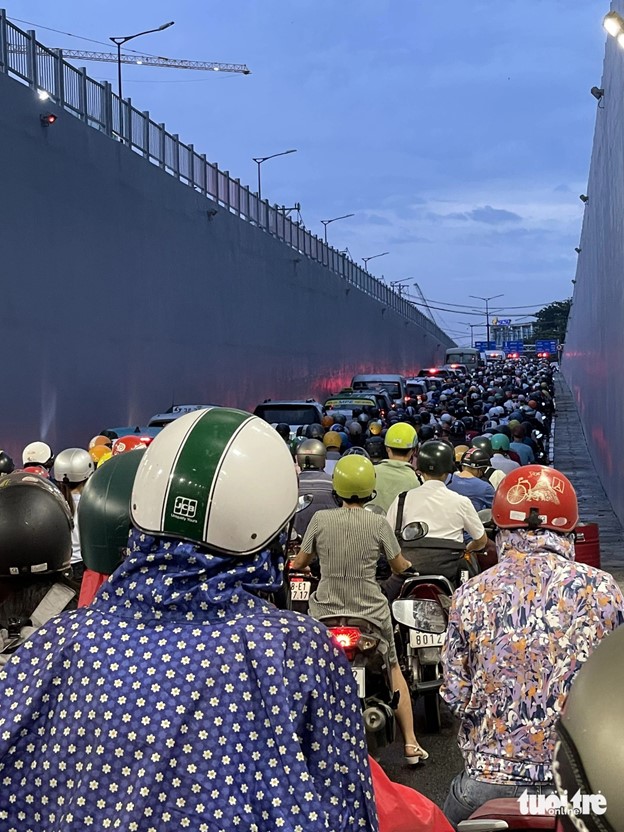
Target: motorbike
{"x": 504, "y": 813}
{"x": 368, "y": 654}
{"x": 300, "y": 584}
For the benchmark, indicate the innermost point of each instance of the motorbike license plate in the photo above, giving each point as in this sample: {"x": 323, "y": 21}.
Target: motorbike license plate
{"x": 360, "y": 678}
{"x": 418, "y": 639}
{"x": 299, "y": 589}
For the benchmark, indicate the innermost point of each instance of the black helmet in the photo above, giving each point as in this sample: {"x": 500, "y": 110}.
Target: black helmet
{"x": 284, "y": 430}
{"x": 357, "y": 451}
{"x": 105, "y": 512}
{"x": 7, "y": 466}
{"x": 476, "y": 458}
{"x": 436, "y": 457}
{"x": 35, "y": 527}
{"x": 426, "y": 433}
{"x": 376, "y": 448}
{"x": 482, "y": 442}
{"x": 589, "y": 753}
{"x": 314, "y": 431}
{"x": 340, "y": 419}
{"x": 458, "y": 430}
{"x": 363, "y": 418}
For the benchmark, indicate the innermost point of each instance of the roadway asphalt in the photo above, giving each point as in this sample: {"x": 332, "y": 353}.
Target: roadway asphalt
{"x": 432, "y": 777}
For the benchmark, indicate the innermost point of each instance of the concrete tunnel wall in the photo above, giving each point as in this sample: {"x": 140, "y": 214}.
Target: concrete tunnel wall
{"x": 593, "y": 361}
{"x": 121, "y": 296}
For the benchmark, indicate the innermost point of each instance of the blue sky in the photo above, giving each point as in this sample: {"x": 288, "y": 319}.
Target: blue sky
{"x": 459, "y": 133}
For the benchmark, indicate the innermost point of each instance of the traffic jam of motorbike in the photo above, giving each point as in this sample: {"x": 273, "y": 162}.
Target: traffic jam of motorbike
{"x": 411, "y": 532}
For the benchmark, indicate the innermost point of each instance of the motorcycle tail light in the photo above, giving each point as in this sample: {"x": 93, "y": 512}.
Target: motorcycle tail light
{"x": 367, "y": 643}
{"x": 347, "y": 639}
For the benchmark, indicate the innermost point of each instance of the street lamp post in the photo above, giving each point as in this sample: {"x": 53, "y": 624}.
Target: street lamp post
{"x": 487, "y": 312}
{"x": 399, "y": 285}
{"x": 260, "y": 159}
{"x": 372, "y": 257}
{"x": 335, "y": 219}
{"x": 119, "y": 41}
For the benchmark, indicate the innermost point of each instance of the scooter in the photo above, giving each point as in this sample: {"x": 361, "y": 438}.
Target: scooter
{"x": 504, "y": 813}
{"x": 299, "y": 584}
{"x": 368, "y": 653}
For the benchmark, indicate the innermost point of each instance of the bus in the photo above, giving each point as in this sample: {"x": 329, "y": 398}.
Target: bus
{"x": 467, "y": 356}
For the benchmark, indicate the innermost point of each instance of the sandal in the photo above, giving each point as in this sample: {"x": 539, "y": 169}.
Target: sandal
{"x": 415, "y": 759}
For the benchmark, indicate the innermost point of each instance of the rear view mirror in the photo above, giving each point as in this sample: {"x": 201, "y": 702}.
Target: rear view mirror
{"x": 415, "y": 531}
{"x": 375, "y": 510}
{"x": 485, "y": 515}
{"x": 303, "y": 502}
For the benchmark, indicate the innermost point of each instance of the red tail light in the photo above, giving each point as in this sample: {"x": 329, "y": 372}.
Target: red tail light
{"x": 347, "y": 639}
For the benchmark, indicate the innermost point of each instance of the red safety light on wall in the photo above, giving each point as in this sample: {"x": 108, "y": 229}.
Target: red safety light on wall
{"x": 48, "y": 118}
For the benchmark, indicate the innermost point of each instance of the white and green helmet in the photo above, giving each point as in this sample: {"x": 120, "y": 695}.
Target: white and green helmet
{"x": 218, "y": 477}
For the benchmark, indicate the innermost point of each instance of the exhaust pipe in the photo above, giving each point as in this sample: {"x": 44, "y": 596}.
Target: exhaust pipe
{"x": 374, "y": 719}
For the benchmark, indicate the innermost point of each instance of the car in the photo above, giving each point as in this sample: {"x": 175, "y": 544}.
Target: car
{"x": 348, "y": 400}
{"x": 130, "y": 430}
{"x": 437, "y": 372}
{"x": 393, "y": 383}
{"x": 417, "y": 389}
{"x": 292, "y": 413}
{"x": 161, "y": 420}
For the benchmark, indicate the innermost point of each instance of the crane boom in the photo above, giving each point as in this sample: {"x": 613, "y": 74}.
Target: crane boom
{"x": 144, "y": 60}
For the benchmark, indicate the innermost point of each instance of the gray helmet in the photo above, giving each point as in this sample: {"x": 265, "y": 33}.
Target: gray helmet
{"x": 73, "y": 465}
{"x": 311, "y": 453}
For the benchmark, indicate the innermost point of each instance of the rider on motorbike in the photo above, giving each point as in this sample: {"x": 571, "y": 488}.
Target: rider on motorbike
{"x": 348, "y": 542}
{"x": 395, "y": 474}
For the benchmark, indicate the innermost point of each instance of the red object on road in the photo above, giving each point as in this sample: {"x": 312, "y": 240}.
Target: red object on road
{"x": 508, "y": 809}
{"x": 587, "y": 544}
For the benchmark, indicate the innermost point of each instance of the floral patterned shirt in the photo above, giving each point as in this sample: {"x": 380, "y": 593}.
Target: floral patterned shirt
{"x": 179, "y": 700}
{"x": 517, "y": 635}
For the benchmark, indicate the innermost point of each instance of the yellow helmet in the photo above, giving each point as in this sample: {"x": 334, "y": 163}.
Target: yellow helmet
{"x": 460, "y": 450}
{"x": 401, "y": 436}
{"x": 375, "y": 428}
{"x": 104, "y": 457}
{"x": 354, "y": 476}
{"x": 332, "y": 439}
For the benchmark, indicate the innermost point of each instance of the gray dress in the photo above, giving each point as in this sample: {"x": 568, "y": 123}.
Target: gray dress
{"x": 348, "y": 543}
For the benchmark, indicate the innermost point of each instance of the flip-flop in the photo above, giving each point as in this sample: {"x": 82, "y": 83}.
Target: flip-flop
{"x": 415, "y": 759}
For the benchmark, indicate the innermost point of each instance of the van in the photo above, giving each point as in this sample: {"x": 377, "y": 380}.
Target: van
{"x": 293, "y": 413}
{"x": 349, "y": 400}
{"x": 394, "y": 383}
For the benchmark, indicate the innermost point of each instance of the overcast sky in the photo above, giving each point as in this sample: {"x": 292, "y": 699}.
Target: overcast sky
{"x": 459, "y": 132}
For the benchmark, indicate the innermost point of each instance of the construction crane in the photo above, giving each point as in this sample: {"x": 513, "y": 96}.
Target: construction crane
{"x": 143, "y": 60}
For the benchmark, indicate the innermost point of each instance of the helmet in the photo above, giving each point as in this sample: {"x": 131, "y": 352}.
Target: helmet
{"x": 354, "y": 477}
{"x": 436, "y": 457}
{"x": 460, "y": 450}
{"x": 375, "y": 447}
{"x": 375, "y": 428}
{"x": 39, "y": 470}
{"x": 205, "y": 479}
{"x": 363, "y": 418}
{"x": 356, "y": 451}
{"x": 400, "y": 436}
{"x": 354, "y": 428}
{"x": 37, "y": 453}
{"x": 332, "y": 439}
{"x": 476, "y": 458}
{"x": 105, "y": 513}
{"x": 535, "y": 496}
{"x": 73, "y": 465}
{"x": 500, "y": 442}
{"x": 327, "y": 421}
{"x": 7, "y": 466}
{"x": 311, "y": 454}
{"x": 283, "y": 430}
{"x": 128, "y": 443}
{"x": 340, "y": 419}
{"x": 588, "y": 750}
{"x": 98, "y": 451}
{"x": 35, "y": 527}
{"x": 106, "y": 456}
{"x": 482, "y": 442}
{"x": 100, "y": 439}
{"x": 314, "y": 431}
{"x": 426, "y": 433}
{"x": 458, "y": 430}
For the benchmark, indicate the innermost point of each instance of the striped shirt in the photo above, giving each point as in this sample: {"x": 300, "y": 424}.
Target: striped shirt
{"x": 348, "y": 543}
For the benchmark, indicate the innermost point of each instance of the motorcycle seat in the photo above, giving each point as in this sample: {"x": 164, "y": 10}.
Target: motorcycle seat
{"x": 507, "y": 809}
{"x": 362, "y": 624}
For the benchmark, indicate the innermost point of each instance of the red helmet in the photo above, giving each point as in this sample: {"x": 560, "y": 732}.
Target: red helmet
{"x": 130, "y": 443}
{"x": 533, "y": 497}
{"x": 37, "y": 469}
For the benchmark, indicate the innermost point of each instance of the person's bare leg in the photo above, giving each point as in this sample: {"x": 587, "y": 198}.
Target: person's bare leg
{"x": 405, "y": 717}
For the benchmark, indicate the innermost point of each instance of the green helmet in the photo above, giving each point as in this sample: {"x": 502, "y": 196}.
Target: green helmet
{"x": 104, "y": 512}
{"x": 436, "y": 457}
{"x": 500, "y": 442}
{"x": 483, "y": 442}
{"x": 354, "y": 477}
{"x": 218, "y": 477}
{"x": 400, "y": 436}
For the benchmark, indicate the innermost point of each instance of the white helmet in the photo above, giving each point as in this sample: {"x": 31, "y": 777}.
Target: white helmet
{"x": 37, "y": 453}
{"x": 73, "y": 465}
{"x": 218, "y": 477}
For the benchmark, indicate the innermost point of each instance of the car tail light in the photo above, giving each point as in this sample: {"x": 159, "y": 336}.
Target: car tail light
{"x": 347, "y": 639}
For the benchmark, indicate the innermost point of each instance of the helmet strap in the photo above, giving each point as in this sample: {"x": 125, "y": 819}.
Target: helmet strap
{"x": 533, "y": 519}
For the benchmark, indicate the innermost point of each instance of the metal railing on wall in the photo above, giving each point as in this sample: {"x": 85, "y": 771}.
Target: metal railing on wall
{"x": 44, "y": 69}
